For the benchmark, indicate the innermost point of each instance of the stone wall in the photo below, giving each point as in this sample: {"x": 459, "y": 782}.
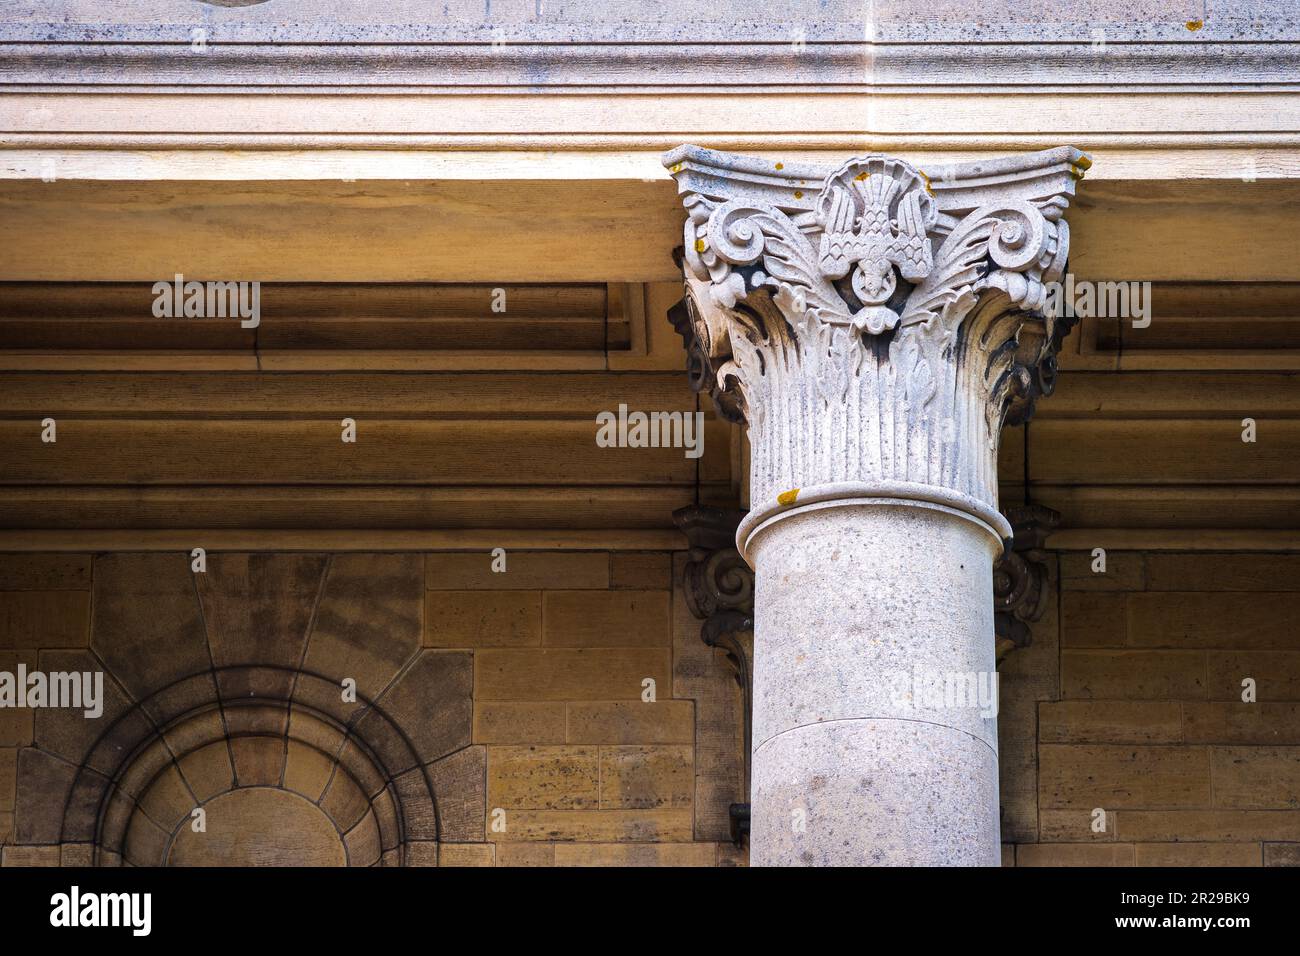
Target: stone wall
{"x": 498, "y": 717}
{"x": 1130, "y": 703}
{"x": 516, "y": 697}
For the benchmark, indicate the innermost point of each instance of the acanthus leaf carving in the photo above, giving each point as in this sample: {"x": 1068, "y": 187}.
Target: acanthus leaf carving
{"x": 904, "y": 313}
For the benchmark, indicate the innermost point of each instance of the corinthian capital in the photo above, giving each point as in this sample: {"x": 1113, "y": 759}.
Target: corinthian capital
{"x": 876, "y": 326}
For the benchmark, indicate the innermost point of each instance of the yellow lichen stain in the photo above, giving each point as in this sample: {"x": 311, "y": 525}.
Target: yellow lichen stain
{"x": 788, "y": 497}
{"x": 780, "y": 165}
{"x": 927, "y": 182}
{"x": 1195, "y": 25}
{"x": 860, "y": 177}
{"x": 676, "y": 168}
{"x": 699, "y": 245}
{"x": 798, "y": 194}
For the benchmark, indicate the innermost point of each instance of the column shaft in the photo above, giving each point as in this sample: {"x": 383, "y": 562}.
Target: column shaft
{"x": 857, "y": 607}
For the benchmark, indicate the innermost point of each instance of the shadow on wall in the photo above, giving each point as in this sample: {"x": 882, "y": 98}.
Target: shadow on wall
{"x": 230, "y": 692}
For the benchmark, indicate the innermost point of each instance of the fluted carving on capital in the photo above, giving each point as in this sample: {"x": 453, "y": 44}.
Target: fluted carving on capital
{"x": 873, "y": 325}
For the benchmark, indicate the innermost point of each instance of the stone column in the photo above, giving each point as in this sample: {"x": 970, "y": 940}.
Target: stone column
{"x": 874, "y": 327}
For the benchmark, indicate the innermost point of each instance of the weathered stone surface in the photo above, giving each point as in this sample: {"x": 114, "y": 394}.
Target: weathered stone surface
{"x": 307, "y": 770}
{"x": 17, "y": 724}
{"x": 633, "y": 854}
{"x": 1125, "y": 571}
{"x": 81, "y": 819}
{"x": 8, "y": 777}
{"x": 1133, "y": 675}
{"x": 253, "y": 717}
{"x": 606, "y": 619}
{"x": 117, "y": 819}
{"x": 43, "y": 786}
{"x": 1089, "y": 619}
{"x": 359, "y": 760}
{"x": 1276, "y": 674}
{"x": 1073, "y": 826}
{"x": 596, "y": 826}
{"x": 44, "y": 572}
{"x": 77, "y": 854}
{"x": 257, "y": 608}
{"x": 384, "y": 807}
{"x": 632, "y": 722}
{"x": 459, "y": 787}
{"x": 647, "y": 777}
{"x": 182, "y": 699}
{"x": 260, "y": 827}
{"x": 418, "y": 809}
{"x": 525, "y": 570}
{"x": 147, "y": 627}
{"x": 482, "y": 619}
{"x": 168, "y": 800}
{"x": 259, "y": 761}
{"x": 543, "y": 778}
{"x": 362, "y": 842}
{"x": 1235, "y": 571}
{"x": 519, "y": 722}
{"x": 197, "y": 730}
{"x": 1243, "y": 621}
{"x": 146, "y": 842}
{"x": 345, "y": 803}
{"x": 526, "y": 854}
{"x": 1198, "y": 854}
{"x": 1075, "y": 854}
{"x": 1111, "y": 722}
{"x": 466, "y": 854}
{"x": 145, "y": 765}
{"x": 1256, "y": 778}
{"x": 1227, "y": 826}
{"x": 561, "y": 673}
{"x": 208, "y": 770}
{"x": 433, "y": 704}
{"x": 69, "y": 733}
{"x": 30, "y": 856}
{"x": 1143, "y": 777}
{"x": 368, "y": 625}
{"x": 421, "y": 853}
{"x": 44, "y": 619}
{"x": 833, "y": 732}
{"x": 1282, "y": 854}
{"x": 951, "y": 784}
{"x": 1236, "y": 722}
{"x": 640, "y": 570}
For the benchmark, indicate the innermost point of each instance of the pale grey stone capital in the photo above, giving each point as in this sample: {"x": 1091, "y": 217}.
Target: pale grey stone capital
{"x": 876, "y": 324}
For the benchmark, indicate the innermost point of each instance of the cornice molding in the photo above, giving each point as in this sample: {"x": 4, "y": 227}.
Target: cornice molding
{"x": 612, "y": 66}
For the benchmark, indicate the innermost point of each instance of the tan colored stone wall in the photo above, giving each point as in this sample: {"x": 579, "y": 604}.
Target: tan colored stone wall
{"x": 524, "y": 695}
{"x": 1132, "y": 704}
{"x": 1128, "y": 700}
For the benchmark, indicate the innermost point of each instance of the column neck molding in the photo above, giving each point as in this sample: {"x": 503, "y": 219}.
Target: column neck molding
{"x": 873, "y": 324}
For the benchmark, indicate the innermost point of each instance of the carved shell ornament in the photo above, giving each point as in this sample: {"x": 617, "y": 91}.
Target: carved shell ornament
{"x": 875, "y": 215}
